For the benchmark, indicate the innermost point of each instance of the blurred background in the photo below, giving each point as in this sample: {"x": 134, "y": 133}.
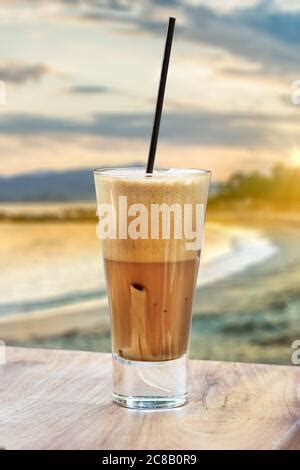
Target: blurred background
{"x": 81, "y": 79}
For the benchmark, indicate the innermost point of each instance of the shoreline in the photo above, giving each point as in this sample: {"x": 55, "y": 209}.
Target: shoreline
{"x": 239, "y": 255}
{"x": 234, "y": 252}
{"x": 66, "y": 320}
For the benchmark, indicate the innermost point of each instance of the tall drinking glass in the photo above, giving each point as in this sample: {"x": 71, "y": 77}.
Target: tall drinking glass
{"x": 151, "y": 227}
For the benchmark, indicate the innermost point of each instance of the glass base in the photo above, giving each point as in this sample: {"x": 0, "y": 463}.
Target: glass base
{"x": 150, "y": 403}
{"x": 150, "y": 385}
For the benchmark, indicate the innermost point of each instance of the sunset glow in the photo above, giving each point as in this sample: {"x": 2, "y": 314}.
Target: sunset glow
{"x": 295, "y": 156}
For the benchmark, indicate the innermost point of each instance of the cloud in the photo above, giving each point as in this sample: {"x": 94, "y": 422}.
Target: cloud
{"x": 87, "y": 89}
{"x": 280, "y": 24}
{"x": 256, "y": 30}
{"x": 256, "y": 33}
{"x": 19, "y": 72}
{"x": 197, "y": 128}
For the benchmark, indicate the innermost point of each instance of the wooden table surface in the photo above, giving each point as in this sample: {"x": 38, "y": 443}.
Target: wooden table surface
{"x": 62, "y": 400}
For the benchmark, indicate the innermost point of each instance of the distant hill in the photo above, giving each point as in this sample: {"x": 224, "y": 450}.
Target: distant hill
{"x": 48, "y": 186}
{"x": 64, "y": 186}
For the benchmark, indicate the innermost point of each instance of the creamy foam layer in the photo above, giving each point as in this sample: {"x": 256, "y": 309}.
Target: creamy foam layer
{"x": 164, "y": 187}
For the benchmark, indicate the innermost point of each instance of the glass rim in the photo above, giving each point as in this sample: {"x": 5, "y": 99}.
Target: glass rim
{"x": 129, "y": 172}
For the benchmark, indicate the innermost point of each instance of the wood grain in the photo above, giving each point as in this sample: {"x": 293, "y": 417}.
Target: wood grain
{"x": 62, "y": 400}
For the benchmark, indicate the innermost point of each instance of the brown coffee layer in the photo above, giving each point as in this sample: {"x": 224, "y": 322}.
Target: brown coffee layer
{"x": 151, "y": 308}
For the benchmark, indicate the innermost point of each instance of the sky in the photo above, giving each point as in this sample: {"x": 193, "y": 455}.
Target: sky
{"x": 81, "y": 79}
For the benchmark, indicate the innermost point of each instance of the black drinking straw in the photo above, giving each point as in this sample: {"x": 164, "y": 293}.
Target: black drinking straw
{"x": 160, "y": 96}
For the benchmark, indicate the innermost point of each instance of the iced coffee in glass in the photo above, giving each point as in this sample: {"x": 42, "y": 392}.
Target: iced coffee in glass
{"x": 151, "y": 230}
